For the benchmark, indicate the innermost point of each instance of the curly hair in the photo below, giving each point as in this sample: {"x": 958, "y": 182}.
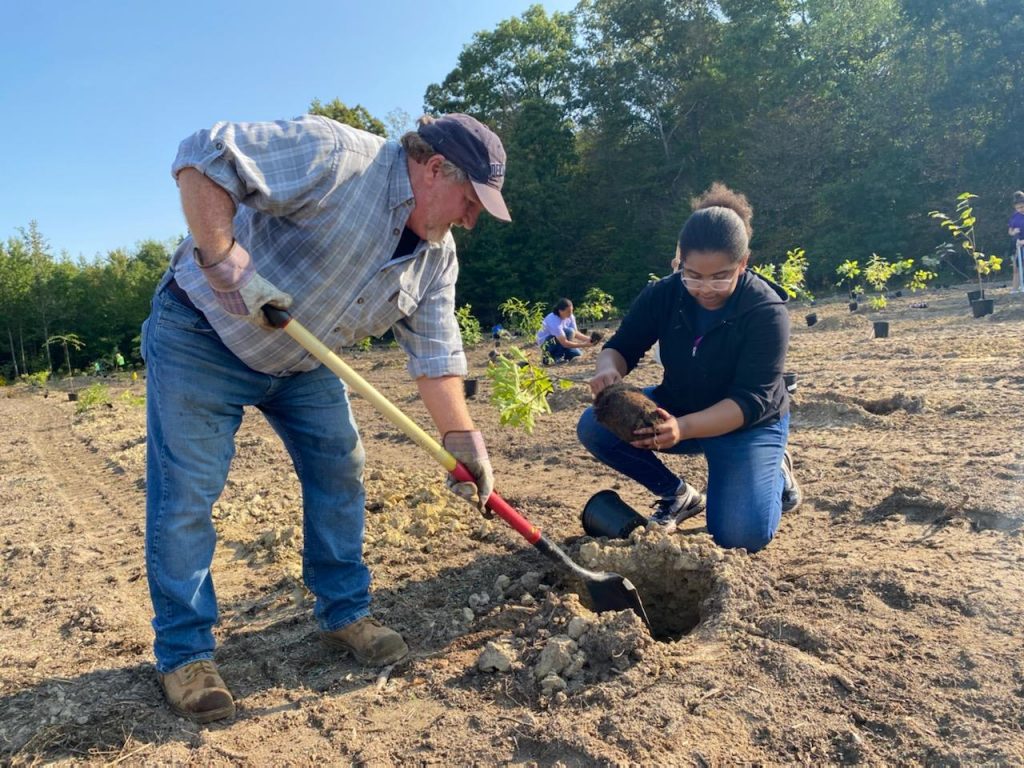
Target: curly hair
{"x": 721, "y": 221}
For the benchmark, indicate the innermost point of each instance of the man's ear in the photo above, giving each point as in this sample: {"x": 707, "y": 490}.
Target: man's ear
{"x": 433, "y": 166}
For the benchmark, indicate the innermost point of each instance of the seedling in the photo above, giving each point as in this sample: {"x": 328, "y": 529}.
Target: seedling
{"x": 521, "y": 316}
{"x": 789, "y": 275}
{"x": 848, "y": 273}
{"x": 878, "y": 272}
{"x": 519, "y": 389}
{"x": 92, "y": 396}
{"x": 961, "y": 228}
{"x": 67, "y": 340}
{"x": 597, "y": 305}
{"x": 469, "y": 326}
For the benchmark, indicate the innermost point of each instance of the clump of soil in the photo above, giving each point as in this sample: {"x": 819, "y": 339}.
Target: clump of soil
{"x": 596, "y": 336}
{"x": 622, "y": 409}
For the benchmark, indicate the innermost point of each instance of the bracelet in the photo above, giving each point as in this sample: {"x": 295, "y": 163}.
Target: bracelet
{"x": 199, "y": 261}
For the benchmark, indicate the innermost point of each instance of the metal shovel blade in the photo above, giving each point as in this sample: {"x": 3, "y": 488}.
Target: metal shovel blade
{"x": 608, "y": 591}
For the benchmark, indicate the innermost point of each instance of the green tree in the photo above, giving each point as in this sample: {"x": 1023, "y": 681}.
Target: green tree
{"x": 357, "y": 116}
{"x": 15, "y": 286}
{"x": 518, "y": 80}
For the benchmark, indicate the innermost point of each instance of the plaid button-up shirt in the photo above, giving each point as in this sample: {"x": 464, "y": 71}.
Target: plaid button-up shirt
{"x": 321, "y": 207}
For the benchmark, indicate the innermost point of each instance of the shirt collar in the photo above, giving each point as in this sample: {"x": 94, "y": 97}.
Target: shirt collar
{"x": 399, "y": 185}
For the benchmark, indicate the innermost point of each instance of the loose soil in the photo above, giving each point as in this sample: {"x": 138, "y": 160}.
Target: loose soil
{"x": 883, "y": 626}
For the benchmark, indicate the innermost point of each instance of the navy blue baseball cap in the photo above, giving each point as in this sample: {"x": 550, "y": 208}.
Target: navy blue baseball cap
{"x": 476, "y": 149}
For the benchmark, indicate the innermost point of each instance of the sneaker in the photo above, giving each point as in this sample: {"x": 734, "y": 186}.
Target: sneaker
{"x": 369, "y": 641}
{"x": 791, "y": 495}
{"x": 198, "y": 692}
{"x": 669, "y": 511}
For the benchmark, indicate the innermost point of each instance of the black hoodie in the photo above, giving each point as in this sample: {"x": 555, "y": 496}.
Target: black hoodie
{"x": 741, "y": 357}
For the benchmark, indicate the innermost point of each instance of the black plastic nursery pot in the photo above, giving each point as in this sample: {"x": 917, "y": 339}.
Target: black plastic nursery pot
{"x": 606, "y": 514}
{"x": 973, "y": 296}
{"x": 811, "y": 318}
{"x": 853, "y": 306}
{"x": 982, "y": 307}
{"x": 790, "y": 378}
{"x": 881, "y": 329}
{"x": 469, "y": 387}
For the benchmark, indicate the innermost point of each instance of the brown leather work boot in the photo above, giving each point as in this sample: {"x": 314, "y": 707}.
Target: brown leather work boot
{"x": 198, "y": 692}
{"x": 369, "y": 641}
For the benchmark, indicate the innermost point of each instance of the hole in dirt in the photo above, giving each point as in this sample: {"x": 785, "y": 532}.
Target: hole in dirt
{"x": 677, "y": 581}
{"x": 887, "y": 405}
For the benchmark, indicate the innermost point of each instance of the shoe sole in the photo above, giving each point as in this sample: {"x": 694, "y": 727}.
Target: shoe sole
{"x": 206, "y": 717}
{"x": 338, "y": 645}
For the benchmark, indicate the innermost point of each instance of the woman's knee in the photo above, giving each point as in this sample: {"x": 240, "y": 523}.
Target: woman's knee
{"x": 752, "y": 541}
{"x": 586, "y": 428}
{"x": 752, "y": 531}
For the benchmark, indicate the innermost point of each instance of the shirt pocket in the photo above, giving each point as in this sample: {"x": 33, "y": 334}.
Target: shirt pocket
{"x": 390, "y": 296}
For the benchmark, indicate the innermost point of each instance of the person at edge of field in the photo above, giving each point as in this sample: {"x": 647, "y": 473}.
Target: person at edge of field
{"x": 559, "y": 338}
{"x": 724, "y": 333}
{"x": 1016, "y": 232}
{"x": 351, "y": 232}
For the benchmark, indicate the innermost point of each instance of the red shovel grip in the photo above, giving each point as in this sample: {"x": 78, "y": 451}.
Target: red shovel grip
{"x": 500, "y": 507}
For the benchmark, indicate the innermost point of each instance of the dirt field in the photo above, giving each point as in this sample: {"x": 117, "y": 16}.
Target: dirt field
{"x": 883, "y": 626}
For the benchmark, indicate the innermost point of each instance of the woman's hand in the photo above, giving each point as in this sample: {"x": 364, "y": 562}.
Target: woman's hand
{"x": 662, "y": 436}
{"x": 603, "y": 379}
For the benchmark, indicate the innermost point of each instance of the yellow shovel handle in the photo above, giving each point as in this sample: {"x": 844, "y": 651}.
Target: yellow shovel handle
{"x": 358, "y": 384}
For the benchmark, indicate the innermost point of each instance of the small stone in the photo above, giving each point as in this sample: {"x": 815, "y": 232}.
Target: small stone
{"x": 530, "y": 580}
{"x": 556, "y": 656}
{"x": 589, "y": 552}
{"x": 468, "y": 615}
{"x": 576, "y": 666}
{"x": 495, "y": 657}
{"x": 577, "y": 627}
{"x": 552, "y": 684}
{"x": 501, "y": 583}
{"x": 528, "y": 599}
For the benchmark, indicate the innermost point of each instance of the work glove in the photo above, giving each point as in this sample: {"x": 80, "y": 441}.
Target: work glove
{"x": 239, "y": 288}
{"x": 468, "y": 447}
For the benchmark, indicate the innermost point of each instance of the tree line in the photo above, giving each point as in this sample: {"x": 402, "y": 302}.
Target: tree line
{"x": 844, "y": 121}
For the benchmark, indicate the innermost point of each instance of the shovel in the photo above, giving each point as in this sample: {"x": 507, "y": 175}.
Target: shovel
{"x": 608, "y": 591}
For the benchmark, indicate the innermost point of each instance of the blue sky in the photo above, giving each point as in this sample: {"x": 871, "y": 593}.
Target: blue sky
{"x": 96, "y": 95}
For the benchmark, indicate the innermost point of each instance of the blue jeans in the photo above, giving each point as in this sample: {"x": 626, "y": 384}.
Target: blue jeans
{"x": 744, "y": 493}
{"x": 551, "y": 348}
{"x": 196, "y": 390}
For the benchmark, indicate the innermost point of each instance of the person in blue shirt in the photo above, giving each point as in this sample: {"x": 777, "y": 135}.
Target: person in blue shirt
{"x": 723, "y": 332}
{"x": 559, "y": 338}
{"x": 352, "y": 233}
{"x": 1016, "y": 231}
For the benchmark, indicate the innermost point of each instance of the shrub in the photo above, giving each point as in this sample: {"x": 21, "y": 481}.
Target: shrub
{"x": 469, "y": 326}
{"x": 961, "y": 228}
{"x": 597, "y": 305}
{"x": 522, "y": 317}
{"x": 92, "y": 396}
{"x": 789, "y": 275}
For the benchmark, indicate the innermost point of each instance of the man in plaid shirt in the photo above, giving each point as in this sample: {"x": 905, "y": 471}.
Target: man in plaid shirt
{"x": 351, "y": 233}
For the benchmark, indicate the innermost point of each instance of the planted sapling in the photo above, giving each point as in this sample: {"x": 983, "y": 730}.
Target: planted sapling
{"x": 961, "y": 229}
